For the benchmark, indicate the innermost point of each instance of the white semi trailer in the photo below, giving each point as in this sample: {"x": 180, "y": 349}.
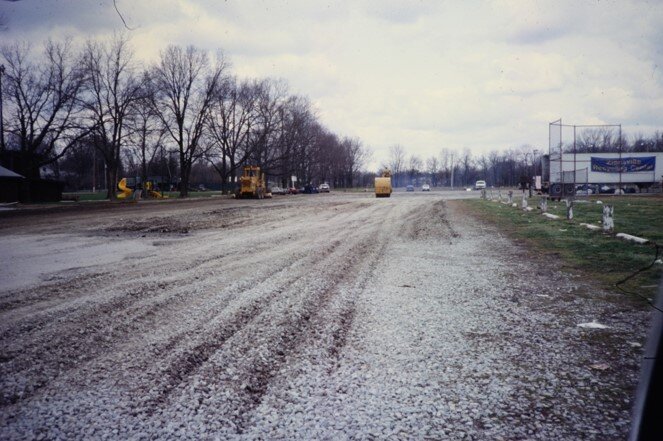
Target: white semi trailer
{"x": 617, "y": 170}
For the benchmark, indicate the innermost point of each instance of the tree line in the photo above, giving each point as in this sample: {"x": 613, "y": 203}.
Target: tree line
{"x": 96, "y": 110}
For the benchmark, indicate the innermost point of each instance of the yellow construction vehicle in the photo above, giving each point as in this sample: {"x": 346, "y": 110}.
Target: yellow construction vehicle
{"x": 252, "y": 183}
{"x": 383, "y": 185}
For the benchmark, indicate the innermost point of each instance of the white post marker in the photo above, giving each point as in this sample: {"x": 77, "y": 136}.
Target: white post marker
{"x": 510, "y": 197}
{"x": 544, "y": 204}
{"x": 569, "y": 209}
{"x": 632, "y": 238}
{"x": 608, "y": 221}
{"x": 524, "y": 202}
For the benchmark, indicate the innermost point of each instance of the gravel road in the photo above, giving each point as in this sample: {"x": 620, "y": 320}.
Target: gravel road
{"x": 335, "y": 316}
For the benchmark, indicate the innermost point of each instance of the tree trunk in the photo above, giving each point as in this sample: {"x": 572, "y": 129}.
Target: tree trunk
{"x": 184, "y": 180}
{"x": 111, "y": 178}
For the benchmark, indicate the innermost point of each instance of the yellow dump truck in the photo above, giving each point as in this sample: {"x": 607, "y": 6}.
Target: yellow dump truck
{"x": 383, "y": 185}
{"x": 252, "y": 183}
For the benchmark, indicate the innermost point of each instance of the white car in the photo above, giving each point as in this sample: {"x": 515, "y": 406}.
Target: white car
{"x": 480, "y": 185}
{"x": 425, "y": 187}
{"x": 324, "y": 188}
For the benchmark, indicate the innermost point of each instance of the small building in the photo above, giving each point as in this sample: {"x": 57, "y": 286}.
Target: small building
{"x": 11, "y": 185}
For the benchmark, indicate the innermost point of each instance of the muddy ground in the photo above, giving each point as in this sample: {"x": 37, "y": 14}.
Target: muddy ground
{"x": 335, "y": 316}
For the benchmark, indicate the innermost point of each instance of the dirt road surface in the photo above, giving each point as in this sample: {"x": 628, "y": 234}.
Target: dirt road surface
{"x": 336, "y": 316}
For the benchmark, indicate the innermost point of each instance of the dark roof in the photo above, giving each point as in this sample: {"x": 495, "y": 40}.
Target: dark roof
{"x": 6, "y": 173}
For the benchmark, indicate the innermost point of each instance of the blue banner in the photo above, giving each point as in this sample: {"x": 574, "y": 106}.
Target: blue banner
{"x": 624, "y": 165}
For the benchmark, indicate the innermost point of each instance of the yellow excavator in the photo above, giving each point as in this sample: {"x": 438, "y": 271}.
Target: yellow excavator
{"x": 383, "y": 184}
{"x": 252, "y": 183}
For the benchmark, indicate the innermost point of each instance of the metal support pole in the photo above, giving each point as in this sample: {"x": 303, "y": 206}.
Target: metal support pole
{"x": 2, "y": 119}
{"x": 575, "y": 165}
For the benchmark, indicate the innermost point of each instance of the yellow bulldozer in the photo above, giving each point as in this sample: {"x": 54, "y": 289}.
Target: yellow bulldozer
{"x": 383, "y": 185}
{"x": 252, "y": 183}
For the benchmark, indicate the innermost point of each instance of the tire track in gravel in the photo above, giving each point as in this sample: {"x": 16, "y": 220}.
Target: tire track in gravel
{"x": 179, "y": 369}
{"x": 69, "y": 290}
{"x": 115, "y": 317}
{"x": 429, "y": 221}
{"x": 322, "y": 350}
{"x": 83, "y": 335}
{"x": 301, "y": 328}
{"x": 190, "y": 362}
{"x": 88, "y": 327}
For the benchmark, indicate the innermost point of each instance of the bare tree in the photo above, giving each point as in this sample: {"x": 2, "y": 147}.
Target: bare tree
{"x": 354, "y": 154}
{"x": 432, "y": 167}
{"x": 147, "y": 134}
{"x": 185, "y": 84}
{"x": 267, "y": 144}
{"x": 396, "y": 162}
{"x": 414, "y": 168}
{"x": 43, "y": 112}
{"x": 232, "y": 114}
{"x": 112, "y": 88}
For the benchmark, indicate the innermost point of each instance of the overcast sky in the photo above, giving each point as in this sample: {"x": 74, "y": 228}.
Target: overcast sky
{"x": 483, "y": 75}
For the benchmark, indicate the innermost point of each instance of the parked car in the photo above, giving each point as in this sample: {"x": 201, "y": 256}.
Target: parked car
{"x": 425, "y": 187}
{"x": 278, "y": 190}
{"x": 409, "y": 188}
{"x": 584, "y": 190}
{"x": 480, "y": 185}
{"x": 293, "y": 190}
{"x": 606, "y": 189}
{"x": 324, "y": 188}
{"x": 310, "y": 189}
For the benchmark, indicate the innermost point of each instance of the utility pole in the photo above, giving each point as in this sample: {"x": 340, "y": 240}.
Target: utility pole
{"x": 2, "y": 119}
{"x": 452, "y": 171}
{"x": 94, "y": 169}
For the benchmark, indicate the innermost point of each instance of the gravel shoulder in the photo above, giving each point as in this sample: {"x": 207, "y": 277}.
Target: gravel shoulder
{"x": 335, "y": 316}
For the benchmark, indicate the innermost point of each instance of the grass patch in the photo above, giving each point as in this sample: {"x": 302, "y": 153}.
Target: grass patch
{"x": 101, "y": 195}
{"x": 601, "y": 256}
{"x": 86, "y": 195}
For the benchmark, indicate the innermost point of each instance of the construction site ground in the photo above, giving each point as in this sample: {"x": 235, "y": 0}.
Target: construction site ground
{"x": 330, "y": 316}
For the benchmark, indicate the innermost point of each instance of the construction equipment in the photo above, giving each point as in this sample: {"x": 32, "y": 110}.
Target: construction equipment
{"x": 383, "y": 184}
{"x": 252, "y": 183}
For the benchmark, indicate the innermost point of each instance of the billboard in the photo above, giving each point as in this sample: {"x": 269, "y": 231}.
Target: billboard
{"x": 624, "y": 165}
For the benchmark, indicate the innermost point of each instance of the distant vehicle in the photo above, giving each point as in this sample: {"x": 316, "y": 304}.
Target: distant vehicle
{"x": 584, "y": 190}
{"x": 480, "y": 185}
{"x": 324, "y": 188}
{"x": 293, "y": 190}
{"x": 425, "y": 187}
{"x": 409, "y": 188}
{"x": 278, "y": 190}
{"x": 606, "y": 189}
